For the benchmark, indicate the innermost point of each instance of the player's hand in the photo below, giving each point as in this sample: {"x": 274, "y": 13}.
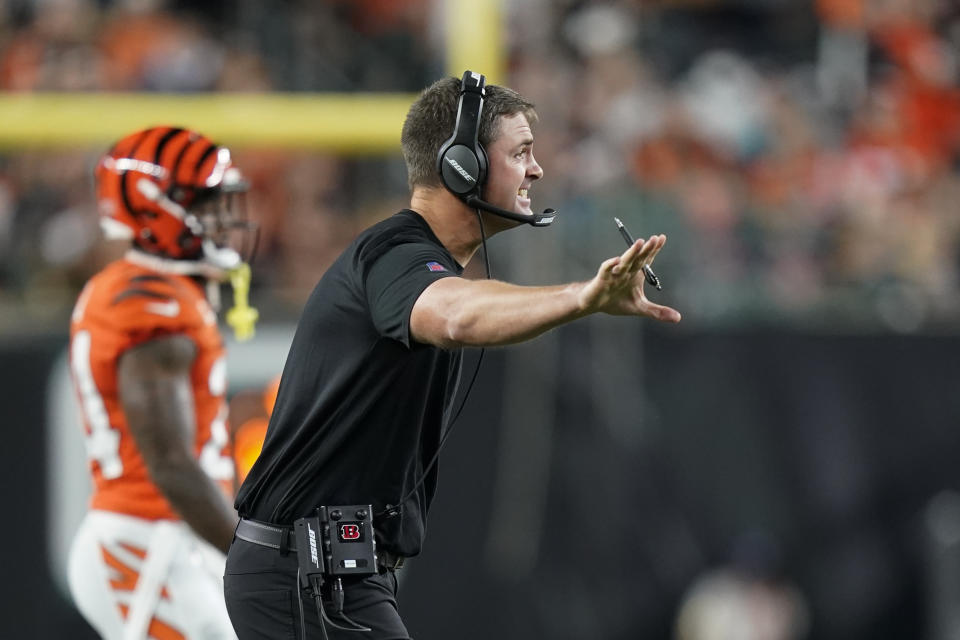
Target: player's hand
{"x": 617, "y": 288}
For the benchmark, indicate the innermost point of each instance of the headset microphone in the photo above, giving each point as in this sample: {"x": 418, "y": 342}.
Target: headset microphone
{"x": 462, "y": 160}
{"x": 535, "y": 219}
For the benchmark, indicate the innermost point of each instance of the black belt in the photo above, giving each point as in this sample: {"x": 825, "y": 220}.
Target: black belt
{"x": 283, "y": 540}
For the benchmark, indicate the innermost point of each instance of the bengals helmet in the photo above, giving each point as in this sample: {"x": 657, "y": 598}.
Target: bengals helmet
{"x": 175, "y": 194}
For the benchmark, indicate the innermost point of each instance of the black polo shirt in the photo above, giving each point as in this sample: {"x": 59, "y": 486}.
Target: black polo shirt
{"x": 361, "y": 406}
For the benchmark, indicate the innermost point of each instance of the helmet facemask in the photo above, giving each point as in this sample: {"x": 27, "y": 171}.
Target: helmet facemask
{"x": 218, "y": 216}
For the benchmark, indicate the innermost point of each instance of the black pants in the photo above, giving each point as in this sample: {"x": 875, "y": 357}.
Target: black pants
{"x": 264, "y": 599}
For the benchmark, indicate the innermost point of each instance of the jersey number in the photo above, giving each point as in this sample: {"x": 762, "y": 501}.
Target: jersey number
{"x": 212, "y": 460}
{"x": 103, "y": 442}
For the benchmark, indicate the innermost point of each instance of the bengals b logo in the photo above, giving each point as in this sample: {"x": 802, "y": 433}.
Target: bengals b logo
{"x": 349, "y": 532}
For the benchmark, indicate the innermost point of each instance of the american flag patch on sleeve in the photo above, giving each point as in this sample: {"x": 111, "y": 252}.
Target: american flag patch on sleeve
{"x": 436, "y": 266}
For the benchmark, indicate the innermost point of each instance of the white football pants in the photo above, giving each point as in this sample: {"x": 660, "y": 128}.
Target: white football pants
{"x": 134, "y": 579}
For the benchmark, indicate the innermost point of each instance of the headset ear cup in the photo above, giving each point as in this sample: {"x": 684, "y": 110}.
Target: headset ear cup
{"x": 440, "y": 156}
{"x": 460, "y": 170}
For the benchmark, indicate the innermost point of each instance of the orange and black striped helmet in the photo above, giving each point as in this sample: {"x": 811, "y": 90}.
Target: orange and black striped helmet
{"x": 148, "y": 183}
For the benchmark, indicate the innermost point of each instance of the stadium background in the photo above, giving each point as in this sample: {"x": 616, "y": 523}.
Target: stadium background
{"x": 784, "y": 457}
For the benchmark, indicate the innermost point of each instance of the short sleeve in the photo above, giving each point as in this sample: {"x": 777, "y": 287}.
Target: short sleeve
{"x": 146, "y": 309}
{"x": 396, "y": 280}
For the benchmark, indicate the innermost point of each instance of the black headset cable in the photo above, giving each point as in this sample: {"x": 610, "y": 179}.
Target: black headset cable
{"x": 393, "y": 510}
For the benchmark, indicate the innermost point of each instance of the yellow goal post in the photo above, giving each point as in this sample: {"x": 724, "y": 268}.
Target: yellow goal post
{"x": 347, "y": 123}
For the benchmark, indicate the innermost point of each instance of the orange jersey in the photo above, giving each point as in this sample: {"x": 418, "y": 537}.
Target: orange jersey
{"x": 122, "y": 306}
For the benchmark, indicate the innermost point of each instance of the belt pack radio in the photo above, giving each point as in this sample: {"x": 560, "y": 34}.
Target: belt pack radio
{"x": 338, "y": 541}
{"x": 334, "y": 542}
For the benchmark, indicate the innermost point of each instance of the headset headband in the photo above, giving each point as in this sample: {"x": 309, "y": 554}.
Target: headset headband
{"x": 472, "y": 92}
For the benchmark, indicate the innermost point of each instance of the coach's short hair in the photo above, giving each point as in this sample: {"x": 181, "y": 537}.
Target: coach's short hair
{"x": 431, "y": 119}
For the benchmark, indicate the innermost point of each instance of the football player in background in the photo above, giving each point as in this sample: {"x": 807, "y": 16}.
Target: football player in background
{"x": 149, "y": 366}
{"x": 249, "y": 416}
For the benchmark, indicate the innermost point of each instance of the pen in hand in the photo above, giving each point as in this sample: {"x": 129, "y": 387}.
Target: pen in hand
{"x": 651, "y": 277}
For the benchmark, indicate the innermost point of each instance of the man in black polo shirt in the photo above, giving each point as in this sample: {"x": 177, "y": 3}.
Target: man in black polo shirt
{"x": 372, "y": 371}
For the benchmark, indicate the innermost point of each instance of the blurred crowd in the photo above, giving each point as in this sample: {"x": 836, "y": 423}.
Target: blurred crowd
{"x": 800, "y": 156}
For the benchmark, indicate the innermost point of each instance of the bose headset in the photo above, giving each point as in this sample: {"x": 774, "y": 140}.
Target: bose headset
{"x": 462, "y": 160}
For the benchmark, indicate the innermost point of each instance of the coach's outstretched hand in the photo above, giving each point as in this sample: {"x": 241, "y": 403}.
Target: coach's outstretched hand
{"x": 617, "y": 288}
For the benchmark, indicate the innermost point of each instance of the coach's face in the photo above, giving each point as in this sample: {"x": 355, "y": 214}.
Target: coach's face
{"x": 512, "y": 167}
